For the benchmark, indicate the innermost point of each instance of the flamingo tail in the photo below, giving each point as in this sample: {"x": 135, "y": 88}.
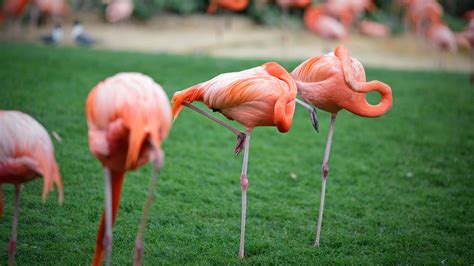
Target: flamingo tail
{"x": 117, "y": 181}
{"x": 51, "y": 176}
{"x": 183, "y": 97}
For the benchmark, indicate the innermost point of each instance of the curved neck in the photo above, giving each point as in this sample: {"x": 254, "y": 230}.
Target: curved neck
{"x": 361, "y": 107}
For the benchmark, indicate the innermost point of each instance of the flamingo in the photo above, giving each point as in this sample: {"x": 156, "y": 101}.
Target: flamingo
{"x": 325, "y": 26}
{"x": 333, "y": 82}
{"x": 374, "y": 29}
{"x": 232, "y": 5}
{"x": 118, "y": 10}
{"x": 13, "y": 8}
{"x": 128, "y": 116}
{"x": 26, "y": 152}
{"x": 260, "y": 96}
{"x": 441, "y": 36}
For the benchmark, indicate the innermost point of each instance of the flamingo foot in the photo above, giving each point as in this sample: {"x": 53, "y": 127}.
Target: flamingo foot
{"x": 138, "y": 258}
{"x": 314, "y": 119}
{"x": 11, "y": 252}
{"x": 240, "y": 143}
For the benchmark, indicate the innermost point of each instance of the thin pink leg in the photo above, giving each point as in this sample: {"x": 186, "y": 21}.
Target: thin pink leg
{"x": 138, "y": 258}
{"x": 240, "y": 134}
{"x": 325, "y": 172}
{"x": 16, "y": 211}
{"x": 1, "y": 201}
{"x": 108, "y": 216}
{"x": 244, "y": 184}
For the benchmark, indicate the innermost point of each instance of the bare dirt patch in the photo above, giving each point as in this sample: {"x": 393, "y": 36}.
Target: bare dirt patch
{"x": 243, "y": 39}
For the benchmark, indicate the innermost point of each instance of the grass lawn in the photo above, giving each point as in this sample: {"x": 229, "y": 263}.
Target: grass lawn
{"x": 400, "y": 187}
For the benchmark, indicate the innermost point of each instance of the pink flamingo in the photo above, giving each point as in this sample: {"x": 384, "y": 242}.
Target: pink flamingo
{"x": 374, "y": 29}
{"x": 440, "y": 36}
{"x": 118, "y": 10}
{"x": 261, "y": 96}
{"x": 128, "y": 116}
{"x": 26, "y": 152}
{"x": 325, "y": 26}
{"x": 333, "y": 82}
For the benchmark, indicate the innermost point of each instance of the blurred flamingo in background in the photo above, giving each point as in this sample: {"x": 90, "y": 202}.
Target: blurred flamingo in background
{"x": 57, "y": 9}
{"x": 374, "y": 29}
{"x": 128, "y": 116}
{"x": 118, "y": 10}
{"x": 231, "y": 5}
{"x": 12, "y": 9}
{"x": 26, "y": 152}
{"x": 325, "y": 26}
{"x": 261, "y": 96}
{"x": 440, "y": 36}
{"x": 333, "y": 82}
{"x": 419, "y": 13}
{"x": 347, "y": 10}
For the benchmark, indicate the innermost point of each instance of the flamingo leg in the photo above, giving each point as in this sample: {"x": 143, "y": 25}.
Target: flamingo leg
{"x": 108, "y": 216}
{"x": 325, "y": 172}
{"x": 138, "y": 258}
{"x": 1, "y": 201}
{"x": 240, "y": 134}
{"x": 244, "y": 184}
{"x": 16, "y": 211}
{"x": 312, "y": 112}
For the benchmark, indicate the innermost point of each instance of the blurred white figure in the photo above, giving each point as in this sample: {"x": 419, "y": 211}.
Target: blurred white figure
{"x": 55, "y": 36}
{"x": 79, "y": 36}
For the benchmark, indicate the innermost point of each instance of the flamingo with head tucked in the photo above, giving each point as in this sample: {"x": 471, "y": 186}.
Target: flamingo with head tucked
{"x": 26, "y": 152}
{"x": 334, "y": 82}
{"x": 261, "y": 96}
{"x": 128, "y": 116}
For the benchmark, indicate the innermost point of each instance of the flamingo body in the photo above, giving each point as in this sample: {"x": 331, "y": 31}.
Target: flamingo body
{"x": 261, "y": 96}
{"x": 374, "y": 29}
{"x": 323, "y": 82}
{"x": 232, "y": 5}
{"x": 323, "y": 25}
{"x": 294, "y": 3}
{"x": 26, "y": 152}
{"x": 442, "y": 37}
{"x": 119, "y": 10}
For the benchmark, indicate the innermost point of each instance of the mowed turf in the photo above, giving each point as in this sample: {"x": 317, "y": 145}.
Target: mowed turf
{"x": 400, "y": 187}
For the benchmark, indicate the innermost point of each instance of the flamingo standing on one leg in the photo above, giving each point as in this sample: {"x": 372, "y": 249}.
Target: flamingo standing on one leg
{"x": 26, "y": 152}
{"x": 333, "y": 82}
{"x": 261, "y": 96}
{"x": 128, "y": 116}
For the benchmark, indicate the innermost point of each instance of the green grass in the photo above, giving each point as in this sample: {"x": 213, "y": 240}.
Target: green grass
{"x": 400, "y": 187}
